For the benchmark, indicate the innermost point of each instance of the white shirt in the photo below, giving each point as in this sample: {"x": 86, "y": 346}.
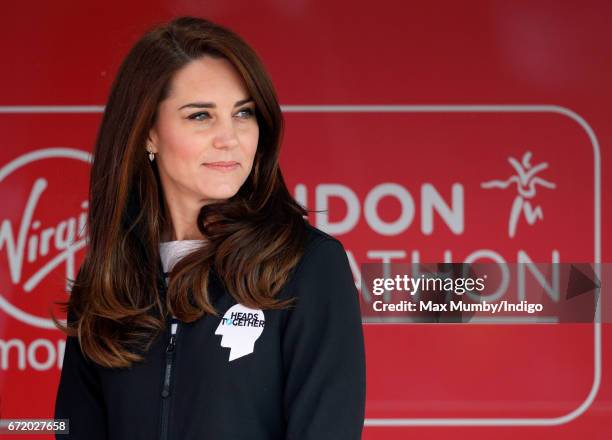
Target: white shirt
{"x": 170, "y": 253}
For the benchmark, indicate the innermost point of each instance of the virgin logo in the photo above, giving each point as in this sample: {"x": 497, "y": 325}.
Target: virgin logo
{"x": 43, "y": 226}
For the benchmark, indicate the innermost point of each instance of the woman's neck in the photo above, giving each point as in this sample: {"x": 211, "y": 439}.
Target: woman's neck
{"x": 171, "y": 235}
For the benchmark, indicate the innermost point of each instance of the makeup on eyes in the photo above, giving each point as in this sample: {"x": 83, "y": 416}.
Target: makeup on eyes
{"x": 213, "y": 105}
{"x": 250, "y": 111}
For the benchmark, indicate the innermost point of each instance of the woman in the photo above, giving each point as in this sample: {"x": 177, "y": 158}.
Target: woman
{"x": 206, "y": 306}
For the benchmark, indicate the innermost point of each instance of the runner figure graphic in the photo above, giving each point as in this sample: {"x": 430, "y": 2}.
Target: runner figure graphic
{"x": 526, "y": 181}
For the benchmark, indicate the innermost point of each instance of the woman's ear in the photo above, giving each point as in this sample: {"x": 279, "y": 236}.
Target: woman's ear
{"x": 152, "y": 141}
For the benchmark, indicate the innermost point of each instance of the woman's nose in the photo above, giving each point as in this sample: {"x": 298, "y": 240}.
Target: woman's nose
{"x": 226, "y": 135}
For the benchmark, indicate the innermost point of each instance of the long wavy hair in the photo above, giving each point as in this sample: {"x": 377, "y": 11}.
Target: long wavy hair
{"x": 118, "y": 303}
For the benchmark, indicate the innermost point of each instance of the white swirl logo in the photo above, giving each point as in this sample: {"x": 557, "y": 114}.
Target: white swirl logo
{"x": 30, "y": 239}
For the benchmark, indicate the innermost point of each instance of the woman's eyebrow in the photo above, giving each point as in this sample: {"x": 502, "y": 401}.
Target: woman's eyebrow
{"x": 212, "y": 104}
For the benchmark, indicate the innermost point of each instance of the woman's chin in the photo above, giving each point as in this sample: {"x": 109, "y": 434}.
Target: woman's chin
{"x": 219, "y": 195}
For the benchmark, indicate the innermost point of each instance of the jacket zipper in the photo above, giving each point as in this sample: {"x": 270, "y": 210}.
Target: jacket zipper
{"x": 166, "y": 389}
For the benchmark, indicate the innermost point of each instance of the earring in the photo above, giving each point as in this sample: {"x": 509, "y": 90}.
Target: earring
{"x": 151, "y": 155}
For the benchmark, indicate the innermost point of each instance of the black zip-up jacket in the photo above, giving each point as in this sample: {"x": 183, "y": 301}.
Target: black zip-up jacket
{"x": 304, "y": 377}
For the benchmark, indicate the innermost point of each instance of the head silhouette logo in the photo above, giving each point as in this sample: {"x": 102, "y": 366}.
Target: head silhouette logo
{"x": 240, "y": 328}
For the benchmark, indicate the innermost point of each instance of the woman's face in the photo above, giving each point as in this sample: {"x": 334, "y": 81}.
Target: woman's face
{"x": 205, "y": 135}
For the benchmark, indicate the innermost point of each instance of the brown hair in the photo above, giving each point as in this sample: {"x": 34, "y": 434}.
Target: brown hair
{"x": 253, "y": 240}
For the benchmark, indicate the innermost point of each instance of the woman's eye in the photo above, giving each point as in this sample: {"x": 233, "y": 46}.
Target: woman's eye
{"x": 197, "y": 116}
{"x": 248, "y": 112}
{"x": 245, "y": 113}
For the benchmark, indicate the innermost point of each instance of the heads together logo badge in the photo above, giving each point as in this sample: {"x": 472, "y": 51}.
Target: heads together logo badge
{"x": 240, "y": 328}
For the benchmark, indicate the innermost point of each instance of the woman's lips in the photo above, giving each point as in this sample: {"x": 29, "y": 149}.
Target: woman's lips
{"x": 222, "y": 166}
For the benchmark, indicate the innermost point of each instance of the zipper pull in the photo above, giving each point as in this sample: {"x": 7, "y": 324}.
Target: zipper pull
{"x": 169, "y": 355}
{"x": 168, "y": 372}
{"x": 171, "y": 344}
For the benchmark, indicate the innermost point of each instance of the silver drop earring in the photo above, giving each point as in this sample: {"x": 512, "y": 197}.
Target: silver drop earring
{"x": 151, "y": 155}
